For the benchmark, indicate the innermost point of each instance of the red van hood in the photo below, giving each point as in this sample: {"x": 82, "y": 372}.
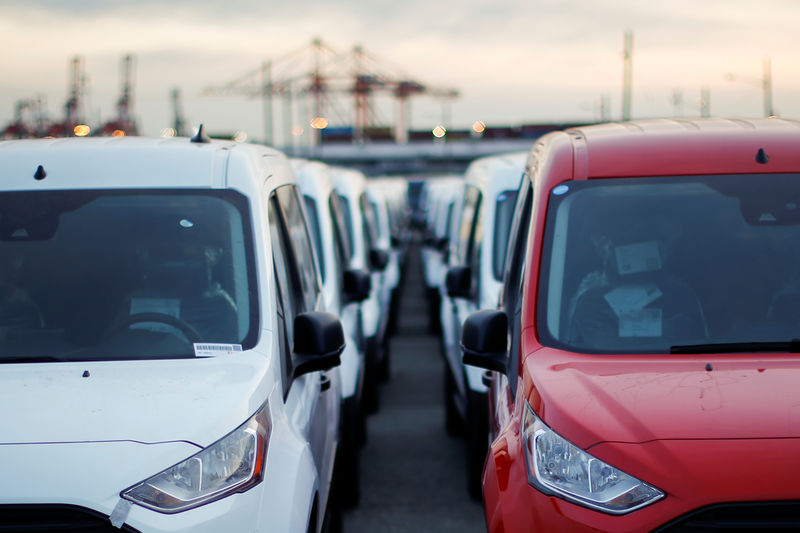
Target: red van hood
{"x": 590, "y": 399}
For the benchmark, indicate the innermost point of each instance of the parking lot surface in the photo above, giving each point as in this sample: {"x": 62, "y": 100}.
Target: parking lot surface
{"x": 413, "y": 474}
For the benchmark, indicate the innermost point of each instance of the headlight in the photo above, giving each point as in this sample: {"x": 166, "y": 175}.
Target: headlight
{"x": 232, "y": 464}
{"x": 557, "y": 466}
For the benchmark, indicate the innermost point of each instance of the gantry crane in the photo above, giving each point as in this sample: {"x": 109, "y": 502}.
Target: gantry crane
{"x": 29, "y": 120}
{"x": 124, "y": 123}
{"x": 73, "y": 107}
{"x": 319, "y": 73}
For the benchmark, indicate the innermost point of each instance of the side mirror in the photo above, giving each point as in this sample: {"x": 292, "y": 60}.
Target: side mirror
{"x": 397, "y": 240}
{"x": 484, "y": 340}
{"x": 378, "y": 259}
{"x": 357, "y": 285}
{"x": 318, "y": 342}
{"x": 442, "y": 243}
{"x": 458, "y": 282}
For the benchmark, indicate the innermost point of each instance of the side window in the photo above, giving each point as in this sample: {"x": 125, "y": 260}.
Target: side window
{"x": 448, "y": 222}
{"x": 347, "y": 216}
{"x": 316, "y": 233}
{"x": 287, "y": 289}
{"x": 300, "y": 243}
{"x": 503, "y": 213}
{"x": 379, "y": 227}
{"x": 465, "y": 224}
{"x": 470, "y": 236}
{"x": 475, "y": 245}
{"x": 370, "y": 221}
{"x": 515, "y": 275}
{"x": 341, "y": 247}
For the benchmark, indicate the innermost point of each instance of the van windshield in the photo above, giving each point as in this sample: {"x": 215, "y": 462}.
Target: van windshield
{"x": 653, "y": 265}
{"x": 107, "y": 275}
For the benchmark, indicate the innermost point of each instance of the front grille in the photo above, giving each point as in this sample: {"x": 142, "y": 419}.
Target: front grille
{"x": 48, "y": 518}
{"x": 751, "y": 516}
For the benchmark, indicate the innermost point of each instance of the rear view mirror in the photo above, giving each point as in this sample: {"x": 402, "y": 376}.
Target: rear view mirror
{"x": 459, "y": 282}
{"x": 318, "y": 342}
{"x": 378, "y": 259}
{"x": 357, "y": 285}
{"x": 484, "y": 340}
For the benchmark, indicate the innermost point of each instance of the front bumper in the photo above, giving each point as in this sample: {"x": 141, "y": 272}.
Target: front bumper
{"x": 697, "y": 476}
{"x": 86, "y": 480}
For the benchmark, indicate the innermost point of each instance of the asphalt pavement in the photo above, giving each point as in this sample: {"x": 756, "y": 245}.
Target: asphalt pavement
{"x": 413, "y": 476}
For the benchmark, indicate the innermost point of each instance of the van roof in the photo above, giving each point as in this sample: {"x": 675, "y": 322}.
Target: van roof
{"x": 679, "y": 147}
{"x": 134, "y": 162}
{"x": 496, "y": 172}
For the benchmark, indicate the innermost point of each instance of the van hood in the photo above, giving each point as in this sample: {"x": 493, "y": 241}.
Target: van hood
{"x": 190, "y": 400}
{"x": 590, "y": 399}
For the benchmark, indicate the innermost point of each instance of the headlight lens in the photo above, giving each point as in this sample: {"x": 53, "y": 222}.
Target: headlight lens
{"x": 556, "y": 465}
{"x": 232, "y": 464}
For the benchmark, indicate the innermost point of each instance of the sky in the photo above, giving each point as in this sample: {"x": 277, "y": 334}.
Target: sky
{"x": 513, "y": 62}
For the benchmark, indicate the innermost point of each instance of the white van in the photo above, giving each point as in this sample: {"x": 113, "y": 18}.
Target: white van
{"x": 165, "y": 360}
{"x": 394, "y": 227}
{"x": 443, "y": 198}
{"x": 474, "y": 278}
{"x": 343, "y": 289}
{"x": 361, "y": 226}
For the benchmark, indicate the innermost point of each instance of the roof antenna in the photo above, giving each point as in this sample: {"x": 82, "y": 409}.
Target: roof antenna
{"x": 761, "y": 157}
{"x": 40, "y": 174}
{"x": 200, "y": 136}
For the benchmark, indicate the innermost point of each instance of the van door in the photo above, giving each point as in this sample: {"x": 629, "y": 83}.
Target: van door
{"x": 313, "y": 399}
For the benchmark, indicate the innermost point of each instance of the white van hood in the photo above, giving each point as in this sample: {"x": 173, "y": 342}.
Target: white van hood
{"x": 192, "y": 400}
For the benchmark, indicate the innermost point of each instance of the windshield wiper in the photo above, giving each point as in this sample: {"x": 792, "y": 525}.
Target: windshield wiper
{"x": 35, "y": 359}
{"x": 792, "y": 346}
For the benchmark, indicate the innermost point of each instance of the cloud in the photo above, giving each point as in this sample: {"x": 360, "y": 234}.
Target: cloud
{"x": 513, "y": 60}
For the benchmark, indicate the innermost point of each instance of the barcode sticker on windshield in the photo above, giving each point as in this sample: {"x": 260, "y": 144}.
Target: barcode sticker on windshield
{"x": 215, "y": 350}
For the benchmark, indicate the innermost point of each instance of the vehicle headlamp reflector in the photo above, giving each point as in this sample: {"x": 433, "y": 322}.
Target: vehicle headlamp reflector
{"x": 556, "y": 465}
{"x": 232, "y": 464}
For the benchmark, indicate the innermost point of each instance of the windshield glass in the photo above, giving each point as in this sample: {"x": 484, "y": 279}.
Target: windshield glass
{"x": 644, "y": 265}
{"x": 104, "y": 275}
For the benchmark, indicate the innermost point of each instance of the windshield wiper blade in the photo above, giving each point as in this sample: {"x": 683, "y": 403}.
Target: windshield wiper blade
{"x": 36, "y": 359}
{"x": 792, "y": 346}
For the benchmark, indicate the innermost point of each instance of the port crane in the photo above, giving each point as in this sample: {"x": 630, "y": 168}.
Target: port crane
{"x": 323, "y": 76}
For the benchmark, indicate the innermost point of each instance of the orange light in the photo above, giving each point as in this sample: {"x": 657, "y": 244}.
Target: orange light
{"x": 81, "y": 130}
{"x": 439, "y": 132}
{"x": 118, "y": 133}
{"x": 319, "y": 123}
{"x": 478, "y": 126}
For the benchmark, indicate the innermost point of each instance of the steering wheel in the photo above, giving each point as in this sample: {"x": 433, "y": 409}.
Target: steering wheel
{"x": 187, "y": 330}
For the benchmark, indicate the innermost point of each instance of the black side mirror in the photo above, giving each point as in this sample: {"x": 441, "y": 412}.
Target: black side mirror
{"x": 442, "y": 243}
{"x": 397, "y": 240}
{"x": 357, "y": 285}
{"x": 378, "y": 259}
{"x": 458, "y": 282}
{"x": 318, "y": 342}
{"x": 484, "y": 340}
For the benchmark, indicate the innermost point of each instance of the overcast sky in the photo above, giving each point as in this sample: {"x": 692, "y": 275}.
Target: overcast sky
{"x": 513, "y": 62}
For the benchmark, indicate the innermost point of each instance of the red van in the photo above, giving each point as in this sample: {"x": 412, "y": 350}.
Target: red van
{"x": 644, "y": 361}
